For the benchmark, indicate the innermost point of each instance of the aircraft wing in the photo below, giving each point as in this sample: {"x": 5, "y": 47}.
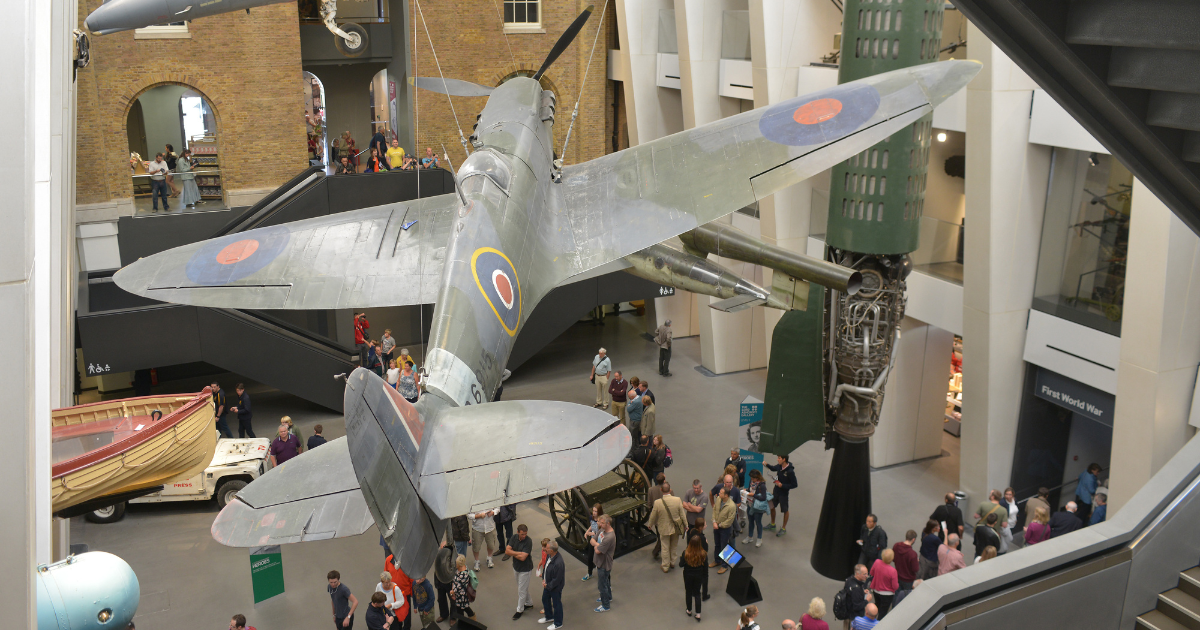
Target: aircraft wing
{"x": 624, "y": 202}
{"x": 389, "y": 255}
{"x": 314, "y": 496}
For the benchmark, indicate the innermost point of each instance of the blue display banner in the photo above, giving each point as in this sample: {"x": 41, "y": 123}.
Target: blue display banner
{"x": 750, "y": 418}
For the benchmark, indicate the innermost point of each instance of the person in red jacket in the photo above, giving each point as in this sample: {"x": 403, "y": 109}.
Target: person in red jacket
{"x": 361, "y": 336}
{"x": 405, "y": 584}
{"x": 908, "y": 565}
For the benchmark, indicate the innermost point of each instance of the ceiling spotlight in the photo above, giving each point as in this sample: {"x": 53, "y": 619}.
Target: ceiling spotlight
{"x": 941, "y": 136}
{"x": 1094, "y": 159}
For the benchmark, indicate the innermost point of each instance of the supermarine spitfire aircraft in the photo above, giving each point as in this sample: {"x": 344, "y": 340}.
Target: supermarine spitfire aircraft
{"x": 517, "y": 227}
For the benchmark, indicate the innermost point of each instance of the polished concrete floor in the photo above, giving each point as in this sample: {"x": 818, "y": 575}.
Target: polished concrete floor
{"x": 190, "y": 581}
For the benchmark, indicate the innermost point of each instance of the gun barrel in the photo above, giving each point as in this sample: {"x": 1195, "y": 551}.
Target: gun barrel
{"x": 730, "y": 242}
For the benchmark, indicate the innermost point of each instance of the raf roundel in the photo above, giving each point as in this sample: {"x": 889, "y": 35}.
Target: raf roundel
{"x": 236, "y": 256}
{"x": 818, "y": 118}
{"x": 498, "y": 282}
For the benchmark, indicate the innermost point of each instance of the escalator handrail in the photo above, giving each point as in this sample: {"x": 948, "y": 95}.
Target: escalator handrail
{"x": 268, "y": 202}
{"x": 295, "y": 330}
{"x": 1166, "y": 491}
{"x": 315, "y": 343}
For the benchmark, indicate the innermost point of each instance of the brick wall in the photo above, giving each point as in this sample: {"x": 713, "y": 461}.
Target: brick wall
{"x": 470, "y": 43}
{"x": 246, "y": 65}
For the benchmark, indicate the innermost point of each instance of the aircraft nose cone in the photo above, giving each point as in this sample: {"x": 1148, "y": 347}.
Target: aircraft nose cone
{"x": 941, "y": 80}
{"x": 123, "y": 15}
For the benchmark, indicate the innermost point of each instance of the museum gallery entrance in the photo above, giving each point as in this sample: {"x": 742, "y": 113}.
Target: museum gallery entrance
{"x": 168, "y": 119}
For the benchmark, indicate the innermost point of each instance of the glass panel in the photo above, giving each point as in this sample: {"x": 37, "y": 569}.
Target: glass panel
{"x": 520, "y": 12}
{"x": 509, "y": 11}
{"x": 1085, "y": 238}
{"x": 735, "y": 35}
{"x": 940, "y": 254}
{"x": 668, "y": 42}
{"x": 533, "y": 12}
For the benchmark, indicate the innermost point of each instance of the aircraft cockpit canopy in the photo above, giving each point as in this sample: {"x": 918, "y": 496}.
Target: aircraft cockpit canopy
{"x": 486, "y": 163}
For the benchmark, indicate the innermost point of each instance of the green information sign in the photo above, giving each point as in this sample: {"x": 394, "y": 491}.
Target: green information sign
{"x": 266, "y": 572}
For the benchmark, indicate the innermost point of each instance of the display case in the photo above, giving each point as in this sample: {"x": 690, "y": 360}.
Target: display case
{"x": 208, "y": 166}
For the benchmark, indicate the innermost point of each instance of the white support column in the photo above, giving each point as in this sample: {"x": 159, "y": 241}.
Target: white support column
{"x": 36, "y": 280}
{"x": 1006, "y": 179}
{"x": 785, "y": 37}
{"x": 653, "y": 112}
{"x": 1160, "y": 345}
{"x": 910, "y": 423}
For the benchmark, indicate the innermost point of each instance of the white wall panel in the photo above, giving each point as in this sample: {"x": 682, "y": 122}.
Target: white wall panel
{"x": 1051, "y": 125}
{"x": 1073, "y": 350}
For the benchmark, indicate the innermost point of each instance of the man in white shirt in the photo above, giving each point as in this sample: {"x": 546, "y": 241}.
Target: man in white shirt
{"x": 483, "y": 532}
{"x": 601, "y": 366}
{"x": 158, "y": 170}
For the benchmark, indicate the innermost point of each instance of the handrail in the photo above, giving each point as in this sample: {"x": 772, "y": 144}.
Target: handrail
{"x": 1035, "y": 570}
{"x": 311, "y": 340}
{"x": 270, "y": 202}
{"x": 1058, "y": 487}
{"x": 315, "y": 338}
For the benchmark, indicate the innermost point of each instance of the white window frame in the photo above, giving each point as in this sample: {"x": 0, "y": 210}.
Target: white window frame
{"x": 163, "y": 31}
{"x": 527, "y": 27}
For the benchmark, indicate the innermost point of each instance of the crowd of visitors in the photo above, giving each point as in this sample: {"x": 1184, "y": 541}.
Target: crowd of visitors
{"x": 740, "y": 498}
{"x": 379, "y": 157}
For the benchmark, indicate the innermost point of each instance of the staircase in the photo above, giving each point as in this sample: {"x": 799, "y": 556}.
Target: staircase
{"x": 1178, "y": 608}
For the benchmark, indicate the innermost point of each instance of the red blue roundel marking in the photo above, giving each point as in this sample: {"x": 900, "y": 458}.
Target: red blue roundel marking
{"x": 819, "y": 118}
{"x": 498, "y": 282}
{"x": 233, "y": 257}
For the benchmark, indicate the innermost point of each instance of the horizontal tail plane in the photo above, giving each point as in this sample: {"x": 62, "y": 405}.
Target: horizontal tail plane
{"x": 408, "y": 468}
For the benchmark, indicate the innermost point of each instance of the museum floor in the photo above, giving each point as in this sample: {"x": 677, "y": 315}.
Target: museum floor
{"x": 189, "y": 581}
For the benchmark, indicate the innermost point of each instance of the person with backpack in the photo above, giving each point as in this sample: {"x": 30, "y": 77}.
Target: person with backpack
{"x": 658, "y": 459}
{"x": 758, "y": 506}
{"x": 747, "y": 622}
{"x": 462, "y": 590}
{"x": 852, "y": 600}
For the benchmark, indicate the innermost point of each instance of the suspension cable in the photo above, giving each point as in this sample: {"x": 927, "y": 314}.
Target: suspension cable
{"x": 461, "y": 138}
{"x": 505, "y": 33}
{"x": 416, "y": 105}
{"x": 575, "y": 113}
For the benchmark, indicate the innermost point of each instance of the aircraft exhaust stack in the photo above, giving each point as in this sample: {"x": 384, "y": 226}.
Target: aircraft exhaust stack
{"x": 730, "y": 242}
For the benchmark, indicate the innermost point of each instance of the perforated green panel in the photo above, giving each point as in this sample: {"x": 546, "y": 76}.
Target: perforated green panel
{"x": 877, "y": 197}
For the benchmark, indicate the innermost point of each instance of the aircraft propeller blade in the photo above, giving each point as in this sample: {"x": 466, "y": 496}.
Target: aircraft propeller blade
{"x": 452, "y": 87}
{"x": 568, "y": 36}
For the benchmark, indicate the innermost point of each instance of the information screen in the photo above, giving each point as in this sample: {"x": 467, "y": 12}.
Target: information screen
{"x": 730, "y": 555}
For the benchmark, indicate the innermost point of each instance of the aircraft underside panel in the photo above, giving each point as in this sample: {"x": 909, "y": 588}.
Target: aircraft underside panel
{"x": 390, "y": 255}
{"x": 485, "y": 456}
{"x": 310, "y": 497}
{"x": 676, "y": 183}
